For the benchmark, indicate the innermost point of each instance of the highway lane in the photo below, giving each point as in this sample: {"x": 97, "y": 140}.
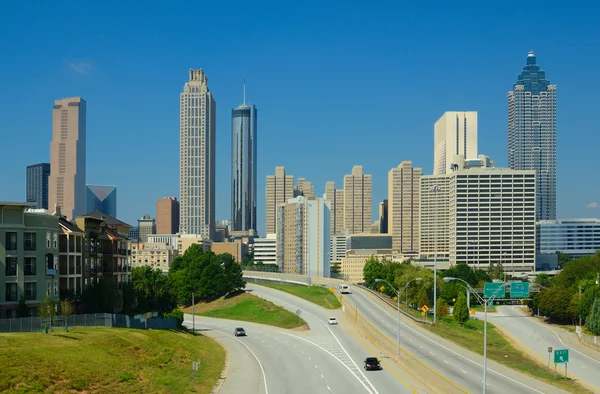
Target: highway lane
{"x": 536, "y": 337}
{"x": 464, "y": 370}
{"x": 336, "y": 340}
{"x": 284, "y": 362}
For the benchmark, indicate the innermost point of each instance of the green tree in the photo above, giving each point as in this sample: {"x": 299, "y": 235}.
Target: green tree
{"x": 555, "y": 304}
{"x": 496, "y": 271}
{"x": 232, "y": 273}
{"x": 47, "y": 309}
{"x": 542, "y": 280}
{"x": 66, "y": 310}
{"x": 371, "y": 271}
{"x": 23, "y": 310}
{"x": 442, "y": 307}
{"x": 460, "y": 311}
{"x": 152, "y": 290}
{"x": 563, "y": 259}
{"x": 212, "y": 282}
{"x": 587, "y": 301}
{"x": 593, "y": 322}
{"x": 248, "y": 260}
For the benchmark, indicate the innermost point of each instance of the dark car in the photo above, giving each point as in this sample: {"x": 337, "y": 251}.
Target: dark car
{"x": 239, "y": 332}
{"x": 372, "y": 364}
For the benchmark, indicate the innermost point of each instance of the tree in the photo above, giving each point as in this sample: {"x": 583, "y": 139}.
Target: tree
{"x": 460, "y": 311}
{"x": 593, "y": 322}
{"x": 66, "y": 310}
{"x": 587, "y": 301}
{"x": 542, "y": 280}
{"x": 496, "y": 271}
{"x": 371, "y": 271}
{"x": 47, "y": 309}
{"x": 152, "y": 290}
{"x": 232, "y": 273}
{"x": 442, "y": 307}
{"x": 23, "y": 310}
{"x": 555, "y": 303}
{"x": 563, "y": 258}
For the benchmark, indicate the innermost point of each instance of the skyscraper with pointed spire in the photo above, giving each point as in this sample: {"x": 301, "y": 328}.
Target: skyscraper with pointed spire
{"x": 532, "y": 133}
{"x": 243, "y": 167}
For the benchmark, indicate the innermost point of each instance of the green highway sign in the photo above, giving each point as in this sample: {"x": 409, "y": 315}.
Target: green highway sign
{"x": 491, "y": 290}
{"x": 561, "y": 356}
{"x": 519, "y": 290}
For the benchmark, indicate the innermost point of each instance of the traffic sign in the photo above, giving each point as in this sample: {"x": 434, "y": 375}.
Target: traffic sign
{"x": 519, "y": 290}
{"x": 491, "y": 290}
{"x": 561, "y": 356}
{"x": 424, "y": 308}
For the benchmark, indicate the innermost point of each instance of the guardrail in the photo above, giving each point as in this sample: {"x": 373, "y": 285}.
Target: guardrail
{"x": 394, "y": 306}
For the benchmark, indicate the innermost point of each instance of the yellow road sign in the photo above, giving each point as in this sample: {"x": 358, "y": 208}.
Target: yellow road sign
{"x": 424, "y": 308}
{"x": 382, "y": 288}
{"x": 472, "y": 311}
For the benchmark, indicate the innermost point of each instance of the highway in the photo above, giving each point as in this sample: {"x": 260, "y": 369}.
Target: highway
{"x": 535, "y": 338}
{"x": 460, "y": 366}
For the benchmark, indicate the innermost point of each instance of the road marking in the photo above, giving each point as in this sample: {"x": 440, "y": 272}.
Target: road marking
{"x": 446, "y": 362}
{"x": 301, "y": 351}
{"x": 583, "y": 366}
{"x": 316, "y": 366}
{"x": 322, "y": 376}
{"x": 462, "y": 370}
{"x": 421, "y": 346}
{"x": 310, "y": 359}
{"x": 410, "y": 339}
{"x": 328, "y": 388}
{"x": 432, "y": 354}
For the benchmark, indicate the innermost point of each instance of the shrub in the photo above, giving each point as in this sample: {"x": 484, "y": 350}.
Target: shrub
{"x": 176, "y": 314}
{"x": 460, "y": 311}
{"x": 442, "y": 307}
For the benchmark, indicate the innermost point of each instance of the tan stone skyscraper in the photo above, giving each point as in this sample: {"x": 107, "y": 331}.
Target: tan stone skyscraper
{"x": 403, "y": 207}
{"x": 357, "y": 201}
{"x": 280, "y": 189}
{"x": 305, "y": 188}
{"x": 66, "y": 184}
{"x": 167, "y": 215}
{"x": 336, "y": 201}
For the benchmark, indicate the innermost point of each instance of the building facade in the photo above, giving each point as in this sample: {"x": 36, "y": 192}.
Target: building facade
{"x": 576, "y": 237}
{"x": 532, "y": 133}
{"x": 243, "y": 167}
{"x": 280, "y": 189}
{"x": 455, "y": 133}
{"x": 305, "y": 188}
{"x": 101, "y": 198}
{"x": 336, "y": 202}
{"x": 37, "y": 184}
{"x": 357, "y": 201}
{"x": 403, "y": 202}
{"x": 147, "y": 226}
{"x": 434, "y": 217}
{"x": 197, "y": 156}
{"x": 383, "y": 217}
{"x": 66, "y": 184}
{"x": 167, "y": 215}
{"x": 71, "y": 266}
{"x": 168, "y": 239}
{"x": 265, "y": 249}
{"x": 157, "y": 255}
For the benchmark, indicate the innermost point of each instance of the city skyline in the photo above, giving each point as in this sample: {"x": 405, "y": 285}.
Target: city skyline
{"x": 289, "y": 75}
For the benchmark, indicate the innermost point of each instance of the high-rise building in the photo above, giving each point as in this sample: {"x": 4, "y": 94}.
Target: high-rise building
{"x": 102, "y": 199}
{"x": 455, "y": 133}
{"x": 37, "y": 184}
{"x": 167, "y": 215}
{"x": 303, "y": 236}
{"x": 66, "y": 184}
{"x": 532, "y": 133}
{"x": 575, "y": 237}
{"x": 265, "y": 249}
{"x": 357, "y": 201}
{"x": 304, "y": 188}
{"x": 146, "y": 226}
{"x": 197, "y": 129}
{"x": 403, "y": 207}
{"x": 243, "y": 167}
{"x": 383, "y": 217}
{"x": 280, "y": 189}
{"x": 336, "y": 201}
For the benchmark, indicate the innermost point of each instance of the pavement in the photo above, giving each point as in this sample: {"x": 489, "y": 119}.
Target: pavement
{"x": 535, "y": 337}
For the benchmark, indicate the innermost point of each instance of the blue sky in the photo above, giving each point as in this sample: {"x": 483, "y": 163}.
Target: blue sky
{"x": 340, "y": 83}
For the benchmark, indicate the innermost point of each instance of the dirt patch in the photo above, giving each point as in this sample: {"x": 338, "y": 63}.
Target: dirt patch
{"x": 221, "y": 303}
{"x": 303, "y": 327}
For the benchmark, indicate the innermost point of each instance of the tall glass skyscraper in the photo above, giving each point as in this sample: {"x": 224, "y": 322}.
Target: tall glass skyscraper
{"x": 102, "y": 199}
{"x": 532, "y": 133}
{"x": 243, "y": 167}
{"x": 37, "y": 184}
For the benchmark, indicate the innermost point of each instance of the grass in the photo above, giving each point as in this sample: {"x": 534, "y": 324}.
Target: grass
{"x": 118, "y": 360}
{"x": 248, "y": 307}
{"x": 500, "y": 349}
{"x": 479, "y": 308}
{"x": 319, "y": 295}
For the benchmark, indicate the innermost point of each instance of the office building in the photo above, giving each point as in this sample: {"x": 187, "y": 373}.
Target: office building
{"x": 197, "y": 129}
{"x": 336, "y": 201}
{"x": 66, "y": 184}
{"x": 134, "y": 234}
{"x": 237, "y": 248}
{"x": 37, "y": 184}
{"x": 357, "y": 201}
{"x": 383, "y": 217}
{"x": 167, "y": 215}
{"x": 187, "y": 240}
{"x": 303, "y": 236}
{"x": 455, "y": 133}
{"x": 101, "y": 198}
{"x": 171, "y": 240}
{"x": 304, "y": 188}
{"x": 28, "y": 257}
{"x": 147, "y": 226}
{"x": 403, "y": 207}
{"x": 243, "y": 167}
{"x": 434, "y": 217}
{"x": 157, "y": 255}
{"x": 532, "y": 133}
{"x": 575, "y": 237}
{"x": 265, "y": 249}
{"x": 280, "y": 189}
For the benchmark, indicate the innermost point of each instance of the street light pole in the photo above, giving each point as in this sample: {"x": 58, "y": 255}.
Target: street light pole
{"x": 435, "y": 191}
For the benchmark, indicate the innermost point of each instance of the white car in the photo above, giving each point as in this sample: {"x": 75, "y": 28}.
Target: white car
{"x": 332, "y": 320}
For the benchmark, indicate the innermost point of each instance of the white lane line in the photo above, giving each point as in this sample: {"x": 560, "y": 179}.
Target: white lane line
{"x": 446, "y": 362}
{"x": 316, "y": 366}
{"x": 421, "y": 346}
{"x": 328, "y": 388}
{"x": 309, "y": 359}
{"x": 583, "y": 366}
{"x": 463, "y": 371}
{"x": 301, "y": 351}
{"x": 410, "y": 339}
{"x": 322, "y": 376}
{"x": 432, "y": 354}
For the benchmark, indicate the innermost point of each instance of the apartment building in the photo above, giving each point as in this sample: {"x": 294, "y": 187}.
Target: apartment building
{"x": 157, "y": 255}
{"x": 403, "y": 207}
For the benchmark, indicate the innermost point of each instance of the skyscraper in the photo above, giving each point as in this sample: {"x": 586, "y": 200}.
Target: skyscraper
{"x": 197, "y": 130}
{"x": 455, "y": 133}
{"x": 532, "y": 133}
{"x": 403, "y": 207}
{"x": 336, "y": 201}
{"x": 357, "y": 201}
{"x": 305, "y": 188}
{"x": 146, "y": 226}
{"x": 37, "y": 184}
{"x": 101, "y": 198}
{"x": 66, "y": 184}
{"x": 280, "y": 189}
{"x": 243, "y": 167}
{"x": 167, "y": 215}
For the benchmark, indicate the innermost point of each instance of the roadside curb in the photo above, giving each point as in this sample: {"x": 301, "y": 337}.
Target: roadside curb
{"x": 217, "y": 387}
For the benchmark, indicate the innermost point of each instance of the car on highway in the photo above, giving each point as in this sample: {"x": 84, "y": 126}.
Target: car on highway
{"x": 239, "y": 332}
{"x": 372, "y": 364}
{"x": 332, "y": 320}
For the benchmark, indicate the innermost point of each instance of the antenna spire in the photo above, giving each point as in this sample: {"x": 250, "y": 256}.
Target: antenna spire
{"x": 244, "y": 91}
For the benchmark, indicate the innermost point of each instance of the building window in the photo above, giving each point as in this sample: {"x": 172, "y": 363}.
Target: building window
{"x": 30, "y": 266}
{"x": 29, "y": 243}
{"x": 11, "y": 292}
{"x": 30, "y": 290}
{"x": 11, "y": 241}
{"x": 11, "y": 266}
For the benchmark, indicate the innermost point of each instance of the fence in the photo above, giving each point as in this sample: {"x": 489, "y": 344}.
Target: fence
{"x": 393, "y": 305}
{"x": 590, "y": 340}
{"x": 31, "y": 324}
